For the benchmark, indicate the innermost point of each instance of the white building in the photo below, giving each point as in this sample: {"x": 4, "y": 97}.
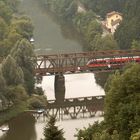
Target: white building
{"x": 112, "y": 21}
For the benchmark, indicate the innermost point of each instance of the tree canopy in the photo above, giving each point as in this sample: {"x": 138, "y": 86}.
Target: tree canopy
{"x": 51, "y": 131}
{"x": 122, "y": 107}
{"x": 12, "y": 73}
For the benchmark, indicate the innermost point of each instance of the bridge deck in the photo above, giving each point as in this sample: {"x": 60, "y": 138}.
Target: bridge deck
{"x": 72, "y": 62}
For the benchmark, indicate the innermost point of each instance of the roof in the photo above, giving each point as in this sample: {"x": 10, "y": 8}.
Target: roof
{"x": 113, "y": 13}
{"x": 115, "y": 22}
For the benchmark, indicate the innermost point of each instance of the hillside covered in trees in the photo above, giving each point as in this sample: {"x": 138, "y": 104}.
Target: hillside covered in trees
{"x": 127, "y": 35}
{"x": 122, "y": 108}
{"x": 17, "y": 60}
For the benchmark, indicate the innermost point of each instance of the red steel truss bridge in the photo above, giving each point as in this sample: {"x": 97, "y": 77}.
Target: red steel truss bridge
{"x": 73, "y": 62}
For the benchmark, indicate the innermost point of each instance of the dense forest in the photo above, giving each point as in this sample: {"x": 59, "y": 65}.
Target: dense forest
{"x": 17, "y": 63}
{"x": 128, "y": 32}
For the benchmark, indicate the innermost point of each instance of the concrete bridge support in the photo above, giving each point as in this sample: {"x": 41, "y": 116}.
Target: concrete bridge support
{"x": 59, "y": 86}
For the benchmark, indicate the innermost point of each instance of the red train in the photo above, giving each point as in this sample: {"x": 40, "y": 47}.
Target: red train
{"x": 109, "y": 63}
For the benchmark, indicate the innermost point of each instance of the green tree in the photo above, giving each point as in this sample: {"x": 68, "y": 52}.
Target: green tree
{"x": 135, "y": 136}
{"x": 24, "y": 54}
{"x": 65, "y": 9}
{"x": 51, "y": 132}
{"x": 82, "y": 21}
{"x": 122, "y": 107}
{"x": 5, "y": 12}
{"x": 37, "y": 102}
{"x": 135, "y": 44}
{"x": 115, "y": 135}
{"x": 2, "y": 88}
{"x": 23, "y": 26}
{"x": 101, "y": 7}
{"x": 13, "y": 37}
{"x": 12, "y": 4}
{"x": 16, "y": 94}
{"x": 2, "y": 81}
{"x": 104, "y": 43}
{"x": 93, "y": 29}
{"x": 3, "y": 28}
{"x": 129, "y": 28}
{"x": 25, "y": 58}
{"x": 105, "y": 136}
{"x": 93, "y": 132}
{"x": 12, "y": 73}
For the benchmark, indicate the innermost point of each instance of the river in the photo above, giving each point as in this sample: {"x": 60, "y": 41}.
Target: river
{"x": 50, "y": 38}
{"x": 48, "y": 35}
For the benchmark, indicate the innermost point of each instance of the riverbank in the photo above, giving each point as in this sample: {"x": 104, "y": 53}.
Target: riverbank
{"x": 85, "y": 22}
{"x": 12, "y": 112}
{"x": 50, "y": 38}
{"x": 69, "y": 14}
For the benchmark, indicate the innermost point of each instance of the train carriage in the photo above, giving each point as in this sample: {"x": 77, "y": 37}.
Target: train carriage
{"x": 111, "y": 63}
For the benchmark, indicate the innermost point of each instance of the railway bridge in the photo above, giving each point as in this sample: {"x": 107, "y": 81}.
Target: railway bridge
{"x": 77, "y": 62}
{"x": 60, "y": 64}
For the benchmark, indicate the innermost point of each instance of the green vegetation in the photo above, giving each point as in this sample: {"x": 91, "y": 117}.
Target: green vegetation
{"x": 88, "y": 23}
{"x": 65, "y": 9}
{"x": 12, "y": 28}
{"x": 85, "y": 23}
{"x": 17, "y": 63}
{"x": 122, "y": 108}
{"x": 129, "y": 30}
{"x": 36, "y": 102}
{"x": 51, "y": 132}
{"x": 101, "y": 7}
{"x": 135, "y": 136}
{"x": 12, "y": 112}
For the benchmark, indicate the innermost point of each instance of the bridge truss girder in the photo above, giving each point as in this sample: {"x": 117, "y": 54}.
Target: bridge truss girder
{"x": 75, "y": 108}
{"x": 63, "y": 63}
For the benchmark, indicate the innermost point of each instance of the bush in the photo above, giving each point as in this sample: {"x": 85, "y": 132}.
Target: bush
{"x": 36, "y": 102}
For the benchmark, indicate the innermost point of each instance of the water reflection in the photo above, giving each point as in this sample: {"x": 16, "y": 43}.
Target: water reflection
{"x": 21, "y": 128}
{"x": 77, "y": 85}
{"x": 101, "y": 78}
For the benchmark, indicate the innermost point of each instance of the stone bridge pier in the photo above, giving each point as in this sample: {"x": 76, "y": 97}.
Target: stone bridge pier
{"x": 59, "y": 86}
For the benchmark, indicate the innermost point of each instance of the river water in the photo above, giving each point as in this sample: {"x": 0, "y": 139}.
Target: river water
{"x": 50, "y": 37}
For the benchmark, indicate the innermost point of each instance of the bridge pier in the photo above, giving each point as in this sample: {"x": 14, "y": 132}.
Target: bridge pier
{"x": 59, "y": 86}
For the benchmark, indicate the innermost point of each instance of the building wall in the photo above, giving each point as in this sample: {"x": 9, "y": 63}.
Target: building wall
{"x": 112, "y": 18}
